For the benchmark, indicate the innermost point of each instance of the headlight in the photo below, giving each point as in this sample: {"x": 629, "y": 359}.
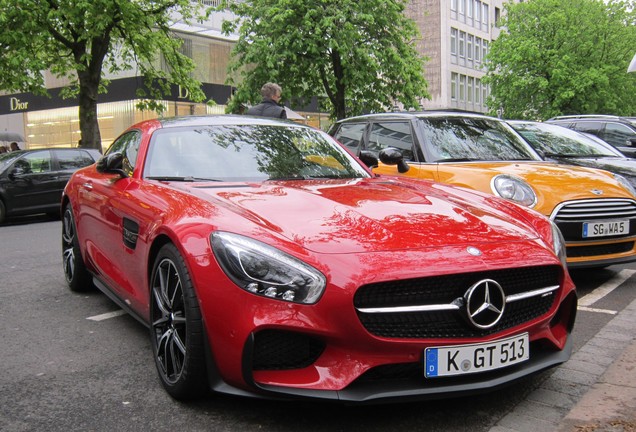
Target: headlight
{"x": 625, "y": 183}
{"x": 267, "y": 271}
{"x": 514, "y": 189}
{"x": 559, "y": 244}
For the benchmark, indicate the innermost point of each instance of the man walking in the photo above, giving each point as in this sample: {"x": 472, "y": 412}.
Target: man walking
{"x": 269, "y": 106}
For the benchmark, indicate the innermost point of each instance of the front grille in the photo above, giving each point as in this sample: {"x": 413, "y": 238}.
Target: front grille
{"x": 281, "y": 350}
{"x": 595, "y": 250}
{"x": 597, "y": 209}
{"x": 570, "y": 216}
{"x": 450, "y": 324}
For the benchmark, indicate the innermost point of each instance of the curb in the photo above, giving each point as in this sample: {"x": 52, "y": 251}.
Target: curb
{"x": 596, "y": 386}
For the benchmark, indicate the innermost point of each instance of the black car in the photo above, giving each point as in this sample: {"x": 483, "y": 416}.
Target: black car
{"x": 620, "y": 132}
{"x": 32, "y": 181}
{"x": 559, "y": 144}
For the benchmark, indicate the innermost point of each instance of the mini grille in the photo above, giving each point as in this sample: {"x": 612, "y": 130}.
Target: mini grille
{"x": 606, "y": 249}
{"x": 597, "y": 209}
{"x": 445, "y": 289}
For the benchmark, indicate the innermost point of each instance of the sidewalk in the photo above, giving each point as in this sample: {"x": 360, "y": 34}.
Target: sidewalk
{"x": 594, "y": 391}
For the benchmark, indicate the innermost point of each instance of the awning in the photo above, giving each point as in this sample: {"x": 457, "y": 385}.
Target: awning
{"x": 632, "y": 65}
{"x": 293, "y": 115}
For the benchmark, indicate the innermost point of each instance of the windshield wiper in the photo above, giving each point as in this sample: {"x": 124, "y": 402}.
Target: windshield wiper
{"x": 458, "y": 160}
{"x": 575, "y": 156}
{"x": 182, "y": 178}
{"x": 286, "y": 178}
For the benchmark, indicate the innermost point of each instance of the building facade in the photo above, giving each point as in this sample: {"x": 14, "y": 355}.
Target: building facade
{"x": 456, "y": 37}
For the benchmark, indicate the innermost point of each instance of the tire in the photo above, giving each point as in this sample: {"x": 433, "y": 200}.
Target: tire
{"x": 176, "y": 327}
{"x": 77, "y": 276}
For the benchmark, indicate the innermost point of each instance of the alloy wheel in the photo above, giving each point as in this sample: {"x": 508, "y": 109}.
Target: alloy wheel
{"x": 169, "y": 320}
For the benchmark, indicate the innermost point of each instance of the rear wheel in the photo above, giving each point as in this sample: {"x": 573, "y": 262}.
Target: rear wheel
{"x": 176, "y": 327}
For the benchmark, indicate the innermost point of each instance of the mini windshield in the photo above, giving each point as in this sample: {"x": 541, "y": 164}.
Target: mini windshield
{"x": 452, "y": 139}
{"x": 247, "y": 153}
{"x": 553, "y": 140}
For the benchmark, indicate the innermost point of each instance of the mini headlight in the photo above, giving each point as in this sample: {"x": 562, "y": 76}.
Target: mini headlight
{"x": 625, "y": 183}
{"x": 266, "y": 271}
{"x": 559, "y": 244}
{"x": 514, "y": 189}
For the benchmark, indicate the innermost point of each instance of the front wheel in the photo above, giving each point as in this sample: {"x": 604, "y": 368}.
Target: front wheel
{"x": 77, "y": 276}
{"x": 176, "y": 327}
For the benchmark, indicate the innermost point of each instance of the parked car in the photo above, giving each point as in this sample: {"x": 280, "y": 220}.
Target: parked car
{"x": 595, "y": 209}
{"x": 559, "y": 144}
{"x": 619, "y": 132}
{"x": 32, "y": 181}
{"x": 267, "y": 261}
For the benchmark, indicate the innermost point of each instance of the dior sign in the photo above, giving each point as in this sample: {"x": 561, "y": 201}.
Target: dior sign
{"x": 17, "y": 105}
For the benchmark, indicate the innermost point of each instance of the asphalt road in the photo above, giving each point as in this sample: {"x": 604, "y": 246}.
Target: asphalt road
{"x": 69, "y": 367}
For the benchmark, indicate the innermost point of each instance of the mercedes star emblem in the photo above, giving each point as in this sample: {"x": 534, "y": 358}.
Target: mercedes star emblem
{"x": 485, "y": 303}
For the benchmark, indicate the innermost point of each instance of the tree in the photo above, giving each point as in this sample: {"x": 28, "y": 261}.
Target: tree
{"x": 555, "y": 57}
{"x": 83, "y": 39}
{"x": 355, "y": 55}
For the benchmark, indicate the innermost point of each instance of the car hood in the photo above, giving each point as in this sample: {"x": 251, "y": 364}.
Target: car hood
{"x": 553, "y": 183}
{"x": 623, "y": 166}
{"x": 367, "y": 214}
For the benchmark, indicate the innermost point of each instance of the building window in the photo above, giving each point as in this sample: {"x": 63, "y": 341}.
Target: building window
{"x": 497, "y": 16}
{"x": 469, "y": 90}
{"x": 454, "y": 77}
{"x": 454, "y": 5}
{"x": 453, "y": 45}
{"x": 484, "y": 50}
{"x": 484, "y": 17}
{"x": 462, "y": 44}
{"x": 477, "y": 91}
{"x": 477, "y": 13}
{"x": 477, "y": 50}
{"x": 484, "y": 94}
{"x": 462, "y": 88}
{"x": 469, "y": 46}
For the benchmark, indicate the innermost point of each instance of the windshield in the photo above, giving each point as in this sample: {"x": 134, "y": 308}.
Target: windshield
{"x": 465, "y": 138}
{"x": 553, "y": 140}
{"x": 247, "y": 153}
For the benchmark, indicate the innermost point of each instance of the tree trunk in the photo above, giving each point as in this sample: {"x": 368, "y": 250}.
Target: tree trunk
{"x": 89, "y": 127}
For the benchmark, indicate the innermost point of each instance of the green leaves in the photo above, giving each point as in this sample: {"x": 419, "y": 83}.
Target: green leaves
{"x": 356, "y": 56}
{"x": 83, "y": 39}
{"x": 558, "y": 57}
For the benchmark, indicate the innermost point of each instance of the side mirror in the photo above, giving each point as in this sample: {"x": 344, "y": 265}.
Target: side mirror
{"x": 369, "y": 158}
{"x": 112, "y": 163}
{"x": 631, "y": 142}
{"x": 393, "y": 156}
{"x": 16, "y": 172}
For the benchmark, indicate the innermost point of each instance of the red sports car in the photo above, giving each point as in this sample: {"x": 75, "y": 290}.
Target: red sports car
{"x": 267, "y": 261}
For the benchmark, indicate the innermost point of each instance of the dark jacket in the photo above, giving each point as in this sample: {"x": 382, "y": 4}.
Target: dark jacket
{"x": 267, "y": 108}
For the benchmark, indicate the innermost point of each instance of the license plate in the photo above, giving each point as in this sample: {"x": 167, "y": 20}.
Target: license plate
{"x": 481, "y": 357}
{"x": 603, "y": 229}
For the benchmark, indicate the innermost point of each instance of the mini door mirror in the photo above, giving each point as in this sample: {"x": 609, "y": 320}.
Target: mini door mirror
{"x": 393, "y": 156}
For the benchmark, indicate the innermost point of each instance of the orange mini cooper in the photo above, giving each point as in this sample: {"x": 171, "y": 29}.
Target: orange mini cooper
{"x": 595, "y": 209}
